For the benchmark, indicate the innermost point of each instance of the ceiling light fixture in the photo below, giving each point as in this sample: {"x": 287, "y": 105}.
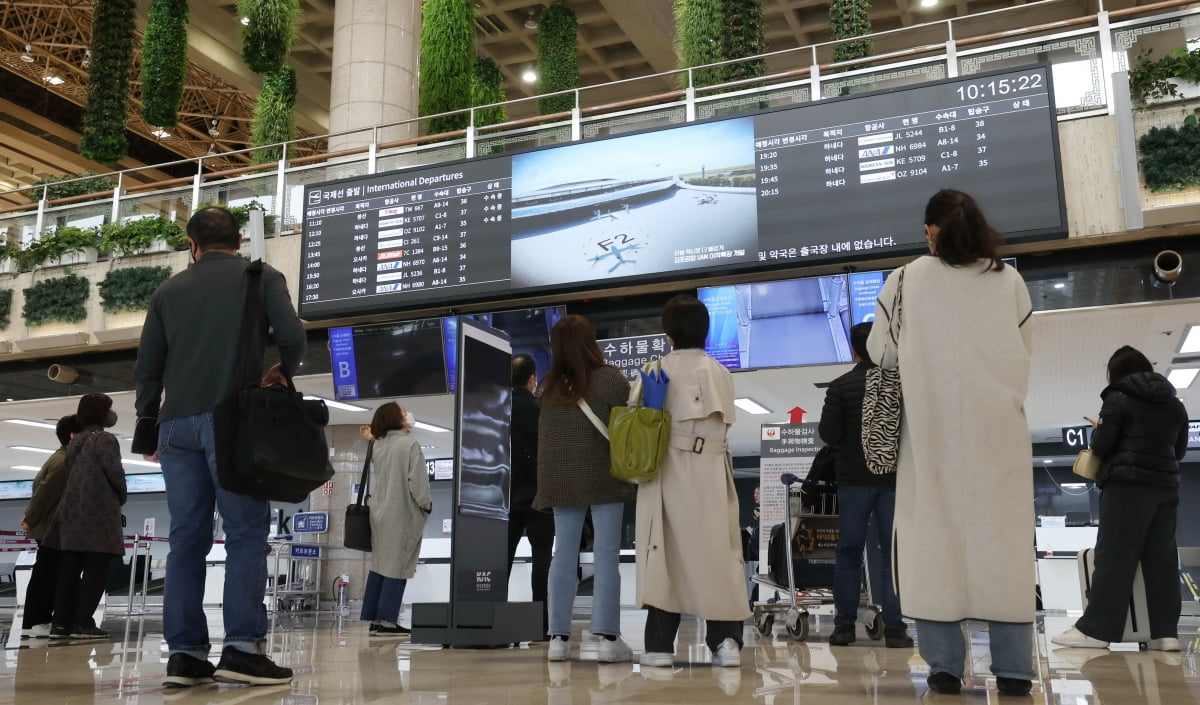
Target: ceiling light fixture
{"x": 529, "y": 76}
{"x": 144, "y": 463}
{"x": 160, "y": 133}
{"x": 32, "y": 449}
{"x": 1060, "y": 285}
{"x": 1191, "y": 340}
{"x": 430, "y": 427}
{"x": 929, "y": 3}
{"x": 750, "y": 406}
{"x": 213, "y": 130}
{"x": 87, "y": 59}
{"x": 336, "y": 404}
{"x": 53, "y": 80}
{"x": 245, "y": 20}
{"x": 212, "y": 149}
{"x": 1047, "y": 461}
{"x": 30, "y": 468}
{"x": 1182, "y": 377}
{"x": 531, "y": 21}
{"x": 36, "y": 424}
{"x": 27, "y": 55}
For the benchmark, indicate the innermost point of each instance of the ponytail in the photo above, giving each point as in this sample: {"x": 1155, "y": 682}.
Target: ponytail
{"x": 964, "y": 236}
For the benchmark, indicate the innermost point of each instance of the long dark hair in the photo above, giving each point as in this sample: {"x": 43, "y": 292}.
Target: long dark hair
{"x": 574, "y": 355}
{"x": 964, "y": 236}
{"x": 1127, "y": 361}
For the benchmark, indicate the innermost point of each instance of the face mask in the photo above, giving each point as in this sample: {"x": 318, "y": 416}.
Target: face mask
{"x": 409, "y": 419}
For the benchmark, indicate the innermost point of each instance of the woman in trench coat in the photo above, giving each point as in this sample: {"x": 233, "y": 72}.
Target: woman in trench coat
{"x": 400, "y": 504}
{"x": 689, "y": 546}
{"x": 963, "y": 535}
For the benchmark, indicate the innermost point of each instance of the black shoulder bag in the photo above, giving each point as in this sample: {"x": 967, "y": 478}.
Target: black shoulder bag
{"x": 358, "y": 515}
{"x": 270, "y": 441}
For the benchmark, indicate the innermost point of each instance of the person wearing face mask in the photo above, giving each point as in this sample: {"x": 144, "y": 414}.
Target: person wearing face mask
{"x": 188, "y": 349}
{"x": 400, "y": 505}
{"x": 86, "y": 527}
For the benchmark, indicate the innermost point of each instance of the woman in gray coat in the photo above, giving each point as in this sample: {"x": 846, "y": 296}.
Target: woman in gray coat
{"x": 400, "y": 504}
{"x": 86, "y": 527}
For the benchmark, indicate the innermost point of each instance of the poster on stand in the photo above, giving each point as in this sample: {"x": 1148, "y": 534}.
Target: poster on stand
{"x": 788, "y": 447}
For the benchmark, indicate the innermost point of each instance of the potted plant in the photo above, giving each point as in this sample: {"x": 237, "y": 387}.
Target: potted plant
{"x": 9, "y": 258}
{"x": 242, "y": 214}
{"x": 68, "y": 245}
{"x": 1175, "y": 76}
{"x": 142, "y": 236}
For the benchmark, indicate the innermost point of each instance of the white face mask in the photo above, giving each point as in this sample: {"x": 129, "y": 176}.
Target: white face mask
{"x": 409, "y": 419}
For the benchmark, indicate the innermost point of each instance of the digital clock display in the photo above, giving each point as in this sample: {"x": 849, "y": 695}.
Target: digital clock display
{"x": 834, "y": 179}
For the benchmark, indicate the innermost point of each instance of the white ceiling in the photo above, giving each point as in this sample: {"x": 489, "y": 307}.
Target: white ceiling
{"x": 1071, "y": 349}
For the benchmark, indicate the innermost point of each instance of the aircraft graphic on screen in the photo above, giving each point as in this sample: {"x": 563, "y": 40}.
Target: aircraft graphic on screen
{"x": 616, "y": 252}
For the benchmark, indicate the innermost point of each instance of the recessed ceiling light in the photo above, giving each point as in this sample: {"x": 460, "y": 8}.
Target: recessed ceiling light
{"x": 928, "y": 3}
{"x": 160, "y": 133}
{"x": 1182, "y": 377}
{"x": 245, "y": 20}
{"x": 32, "y": 449}
{"x": 1060, "y": 285}
{"x": 750, "y": 406}
{"x": 430, "y": 427}
{"x": 53, "y": 80}
{"x": 336, "y": 404}
{"x": 530, "y": 76}
{"x": 1191, "y": 340}
{"x": 30, "y": 468}
{"x": 38, "y": 424}
{"x": 1047, "y": 461}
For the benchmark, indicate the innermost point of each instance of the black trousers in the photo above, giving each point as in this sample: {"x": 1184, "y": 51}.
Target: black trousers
{"x": 81, "y": 578}
{"x": 43, "y": 583}
{"x": 539, "y": 527}
{"x": 1137, "y": 525}
{"x": 662, "y": 626}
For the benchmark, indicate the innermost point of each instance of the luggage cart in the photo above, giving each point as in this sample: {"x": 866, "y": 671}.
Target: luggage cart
{"x": 795, "y": 610}
{"x": 297, "y": 577}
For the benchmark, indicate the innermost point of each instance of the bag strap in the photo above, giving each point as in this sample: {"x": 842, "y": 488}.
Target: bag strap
{"x": 364, "y": 480}
{"x": 587, "y": 411}
{"x": 251, "y": 317}
{"x": 897, "y": 309}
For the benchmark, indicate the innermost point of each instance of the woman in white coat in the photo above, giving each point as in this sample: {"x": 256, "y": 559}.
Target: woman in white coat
{"x": 963, "y": 535}
{"x": 689, "y": 545}
{"x": 400, "y": 504}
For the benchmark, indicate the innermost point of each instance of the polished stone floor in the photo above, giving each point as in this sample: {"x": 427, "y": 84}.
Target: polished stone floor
{"x": 336, "y": 662}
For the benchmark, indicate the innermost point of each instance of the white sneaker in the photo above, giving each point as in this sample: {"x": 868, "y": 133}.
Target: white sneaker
{"x": 727, "y": 655}
{"x": 560, "y": 649}
{"x": 615, "y": 651}
{"x": 42, "y": 631}
{"x": 657, "y": 659}
{"x": 1165, "y": 644}
{"x": 1076, "y": 639}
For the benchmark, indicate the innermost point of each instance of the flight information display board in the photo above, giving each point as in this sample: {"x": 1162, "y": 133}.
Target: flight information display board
{"x": 834, "y": 179}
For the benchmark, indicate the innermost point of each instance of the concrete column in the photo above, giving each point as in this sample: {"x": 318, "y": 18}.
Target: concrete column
{"x": 375, "y": 57}
{"x": 349, "y": 451}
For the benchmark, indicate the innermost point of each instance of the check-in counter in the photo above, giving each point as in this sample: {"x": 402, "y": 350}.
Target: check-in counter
{"x": 1058, "y": 574}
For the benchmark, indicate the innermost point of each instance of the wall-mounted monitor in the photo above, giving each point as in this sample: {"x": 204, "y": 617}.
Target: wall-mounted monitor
{"x": 778, "y": 324}
{"x": 835, "y": 179}
{"x": 389, "y": 360}
{"x": 143, "y": 483}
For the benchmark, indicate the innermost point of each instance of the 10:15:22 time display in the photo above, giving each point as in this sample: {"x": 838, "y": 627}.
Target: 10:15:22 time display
{"x": 1001, "y": 87}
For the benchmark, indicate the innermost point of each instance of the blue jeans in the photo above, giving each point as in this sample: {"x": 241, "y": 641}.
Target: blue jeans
{"x": 381, "y": 598}
{"x": 944, "y": 648}
{"x": 856, "y": 504}
{"x": 564, "y": 568}
{"x": 188, "y": 458}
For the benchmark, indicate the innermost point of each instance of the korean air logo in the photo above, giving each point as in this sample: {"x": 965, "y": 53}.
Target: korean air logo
{"x": 874, "y": 152}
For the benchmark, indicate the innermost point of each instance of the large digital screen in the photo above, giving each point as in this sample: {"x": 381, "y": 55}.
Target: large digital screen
{"x": 835, "y": 179}
{"x": 485, "y": 413}
{"x": 778, "y": 324}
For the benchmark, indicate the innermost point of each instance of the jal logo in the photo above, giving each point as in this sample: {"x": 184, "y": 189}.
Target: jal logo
{"x": 876, "y": 152}
{"x": 770, "y": 433}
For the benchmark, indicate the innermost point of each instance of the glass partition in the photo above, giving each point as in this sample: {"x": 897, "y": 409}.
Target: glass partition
{"x": 297, "y": 178}
{"x": 173, "y": 204}
{"x": 528, "y": 138}
{"x": 641, "y": 119}
{"x": 88, "y": 214}
{"x": 18, "y": 228}
{"x": 1080, "y": 84}
{"x": 734, "y": 103}
{"x": 877, "y": 79}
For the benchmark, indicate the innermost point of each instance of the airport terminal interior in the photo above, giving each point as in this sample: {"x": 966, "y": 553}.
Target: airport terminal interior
{"x": 780, "y": 185}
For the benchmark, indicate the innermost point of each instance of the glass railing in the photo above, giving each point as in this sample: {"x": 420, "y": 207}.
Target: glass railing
{"x": 1085, "y": 53}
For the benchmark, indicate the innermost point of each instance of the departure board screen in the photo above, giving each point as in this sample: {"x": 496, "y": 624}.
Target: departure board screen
{"x": 845, "y": 178}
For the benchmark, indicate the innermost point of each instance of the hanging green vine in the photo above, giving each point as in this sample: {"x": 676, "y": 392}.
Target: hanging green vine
{"x": 850, "y": 18}
{"x": 62, "y": 299}
{"x": 130, "y": 289}
{"x": 486, "y": 89}
{"x": 742, "y": 36}
{"x": 113, "y": 29}
{"x": 447, "y": 59}
{"x": 557, "y": 58}
{"x": 274, "y": 115}
{"x": 5, "y": 307}
{"x": 269, "y": 32}
{"x": 164, "y": 62}
{"x": 698, "y": 39}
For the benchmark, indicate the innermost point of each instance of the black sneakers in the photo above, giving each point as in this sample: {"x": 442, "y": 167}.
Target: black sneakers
{"x": 377, "y": 629}
{"x": 250, "y": 669}
{"x": 88, "y": 633}
{"x": 843, "y": 635}
{"x": 184, "y": 671}
{"x": 944, "y": 683}
{"x": 895, "y": 636}
{"x": 1014, "y": 687}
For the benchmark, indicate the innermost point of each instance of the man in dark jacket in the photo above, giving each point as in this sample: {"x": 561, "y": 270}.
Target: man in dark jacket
{"x": 48, "y": 487}
{"x": 522, "y": 517}
{"x": 861, "y": 495}
{"x": 189, "y": 345}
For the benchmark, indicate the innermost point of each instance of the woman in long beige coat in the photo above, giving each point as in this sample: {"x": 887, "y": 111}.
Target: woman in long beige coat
{"x": 689, "y": 549}
{"x": 400, "y": 504}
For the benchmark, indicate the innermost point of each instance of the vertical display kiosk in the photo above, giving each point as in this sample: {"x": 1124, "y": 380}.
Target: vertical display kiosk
{"x": 479, "y": 613}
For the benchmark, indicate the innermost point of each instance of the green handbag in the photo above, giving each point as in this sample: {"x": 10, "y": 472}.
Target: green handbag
{"x": 637, "y": 439}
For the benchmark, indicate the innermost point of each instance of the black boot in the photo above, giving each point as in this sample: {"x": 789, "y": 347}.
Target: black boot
{"x": 944, "y": 683}
{"x": 843, "y": 635}
{"x": 1015, "y": 687}
{"x": 895, "y": 636}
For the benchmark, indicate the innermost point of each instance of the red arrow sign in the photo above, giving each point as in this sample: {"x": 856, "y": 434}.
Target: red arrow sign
{"x": 796, "y": 414}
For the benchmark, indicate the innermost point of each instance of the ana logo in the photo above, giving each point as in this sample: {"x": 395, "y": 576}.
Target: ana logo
{"x": 876, "y": 152}
{"x": 770, "y": 433}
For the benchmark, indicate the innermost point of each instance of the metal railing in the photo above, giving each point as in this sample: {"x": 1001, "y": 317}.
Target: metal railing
{"x": 1085, "y": 53}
